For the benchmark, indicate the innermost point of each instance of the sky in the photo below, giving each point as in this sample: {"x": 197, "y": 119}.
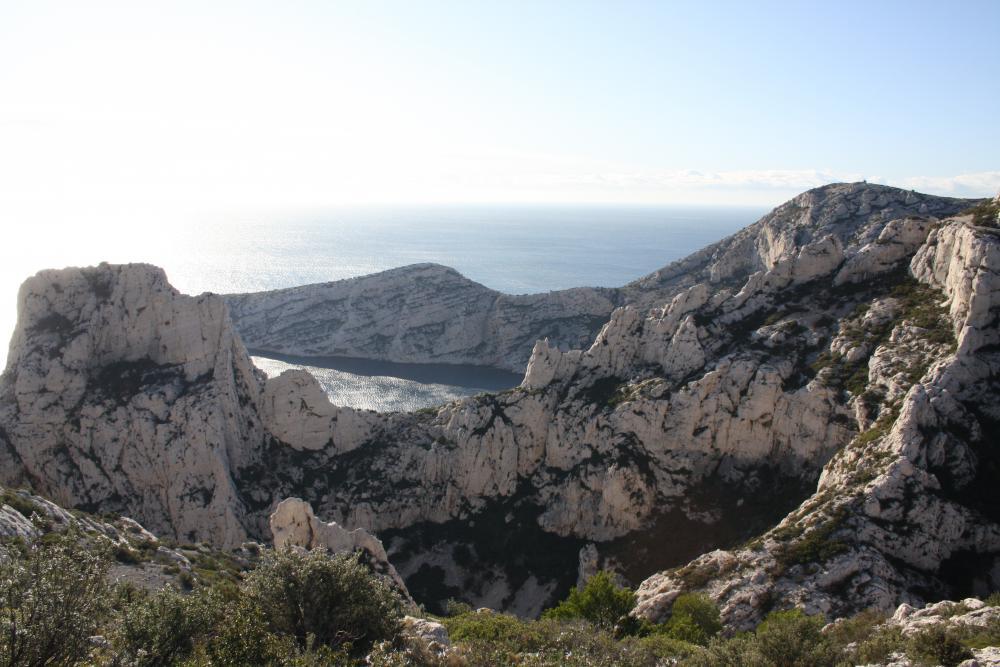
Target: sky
{"x": 134, "y": 107}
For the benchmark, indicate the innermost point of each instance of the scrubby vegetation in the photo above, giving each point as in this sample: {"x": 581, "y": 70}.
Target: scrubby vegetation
{"x": 293, "y": 609}
{"x": 985, "y": 214}
{"x": 307, "y": 609}
{"x": 601, "y": 602}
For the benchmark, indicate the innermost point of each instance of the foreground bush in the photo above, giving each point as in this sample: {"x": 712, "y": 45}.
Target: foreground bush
{"x": 488, "y": 638}
{"x": 323, "y": 600}
{"x": 161, "y": 629}
{"x": 53, "y": 596}
{"x": 783, "y": 639}
{"x": 601, "y": 601}
{"x": 938, "y": 645}
{"x": 694, "y": 618}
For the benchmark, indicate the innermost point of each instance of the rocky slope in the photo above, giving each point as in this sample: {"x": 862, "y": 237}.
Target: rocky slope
{"x": 907, "y": 510}
{"x": 697, "y": 418}
{"x": 420, "y": 314}
{"x": 431, "y": 313}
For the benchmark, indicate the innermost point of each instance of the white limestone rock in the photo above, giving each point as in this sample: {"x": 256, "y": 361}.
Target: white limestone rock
{"x": 431, "y": 633}
{"x": 121, "y": 393}
{"x": 293, "y": 524}
{"x": 891, "y": 498}
{"x": 430, "y": 313}
{"x": 418, "y": 313}
{"x": 298, "y": 412}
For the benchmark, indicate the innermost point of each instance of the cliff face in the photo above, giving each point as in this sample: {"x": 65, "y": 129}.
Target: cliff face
{"x": 122, "y": 395}
{"x": 907, "y": 510}
{"x": 430, "y": 313}
{"x": 420, "y": 314}
{"x": 695, "y": 424}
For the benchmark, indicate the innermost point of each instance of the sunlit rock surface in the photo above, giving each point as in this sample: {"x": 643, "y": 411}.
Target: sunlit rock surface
{"x": 701, "y": 412}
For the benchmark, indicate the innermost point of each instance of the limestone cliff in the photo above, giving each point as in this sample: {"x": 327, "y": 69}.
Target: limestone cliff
{"x": 122, "y": 395}
{"x": 698, "y": 416}
{"x": 906, "y": 512}
{"x": 421, "y": 313}
{"x": 430, "y": 313}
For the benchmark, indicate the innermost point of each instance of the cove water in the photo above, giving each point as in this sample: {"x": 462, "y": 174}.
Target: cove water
{"x": 514, "y": 249}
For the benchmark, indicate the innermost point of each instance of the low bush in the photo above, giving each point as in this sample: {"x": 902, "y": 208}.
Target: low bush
{"x": 601, "y": 601}
{"x": 53, "y": 596}
{"x": 694, "y": 619}
{"x": 334, "y": 600}
{"x": 783, "y": 639}
{"x": 161, "y": 629}
{"x": 938, "y": 645}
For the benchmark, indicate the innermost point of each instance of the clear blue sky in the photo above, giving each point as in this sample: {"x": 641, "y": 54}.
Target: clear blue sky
{"x": 322, "y": 103}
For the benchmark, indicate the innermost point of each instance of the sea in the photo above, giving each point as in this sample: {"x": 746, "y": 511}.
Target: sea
{"x": 514, "y": 249}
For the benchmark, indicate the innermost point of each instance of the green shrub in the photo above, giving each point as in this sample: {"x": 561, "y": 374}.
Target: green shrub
{"x": 601, "y": 601}
{"x": 333, "y": 599}
{"x": 993, "y": 600}
{"x": 161, "y": 629}
{"x": 52, "y": 598}
{"x": 857, "y": 628}
{"x": 20, "y": 503}
{"x": 553, "y": 642}
{"x": 736, "y": 651}
{"x": 981, "y": 637}
{"x": 816, "y": 545}
{"x": 487, "y": 626}
{"x": 694, "y": 619}
{"x": 660, "y": 647}
{"x": 879, "y": 646}
{"x": 792, "y": 639}
{"x": 864, "y": 639}
{"x": 985, "y": 214}
{"x": 456, "y": 608}
{"x": 938, "y": 645}
{"x": 783, "y": 639}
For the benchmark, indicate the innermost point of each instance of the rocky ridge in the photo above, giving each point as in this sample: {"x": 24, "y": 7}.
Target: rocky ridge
{"x": 421, "y": 313}
{"x": 903, "y": 512}
{"x": 430, "y": 313}
{"x": 685, "y": 427}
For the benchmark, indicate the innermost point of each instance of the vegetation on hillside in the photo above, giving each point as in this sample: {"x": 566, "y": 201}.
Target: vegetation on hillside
{"x": 986, "y": 213}
{"x": 306, "y": 609}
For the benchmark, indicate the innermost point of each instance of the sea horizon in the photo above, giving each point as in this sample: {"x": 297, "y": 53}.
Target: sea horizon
{"x": 514, "y": 248}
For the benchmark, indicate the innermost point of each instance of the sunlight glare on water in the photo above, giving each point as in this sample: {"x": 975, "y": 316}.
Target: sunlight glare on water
{"x": 515, "y": 249}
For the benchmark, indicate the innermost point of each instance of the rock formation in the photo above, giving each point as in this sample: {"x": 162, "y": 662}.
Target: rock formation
{"x": 293, "y": 524}
{"x": 420, "y": 313}
{"x": 700, "y": 414}
{"x": 431, "y": 313}
{"x": 906, "y": 511}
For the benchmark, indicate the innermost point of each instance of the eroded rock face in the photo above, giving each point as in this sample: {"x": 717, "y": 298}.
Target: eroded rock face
{"x": 293, "y": 524}
{"x": 430, "y": 313}
{"x": 421, "y": 313}
{"x": 906, "y": 511}
{"x": 693, "y": 420}
{"x": 122, "y": 395}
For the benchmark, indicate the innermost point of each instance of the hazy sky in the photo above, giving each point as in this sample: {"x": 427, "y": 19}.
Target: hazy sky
{"x": 139, "y": 105}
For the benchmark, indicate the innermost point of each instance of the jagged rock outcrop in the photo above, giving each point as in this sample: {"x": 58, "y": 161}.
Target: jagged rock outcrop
{"x": 122, "y": 395}
{"x": 962, "y": 618}
{"x": 906, "y": 511}
{"x": 420, "y": 313}
{"x": 431, "y": 313}
{"x": 293, "y": 524}
{"x": 700, "y": 414}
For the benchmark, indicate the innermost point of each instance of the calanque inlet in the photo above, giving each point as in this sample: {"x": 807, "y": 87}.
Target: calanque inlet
{"x": 802, "y": 415}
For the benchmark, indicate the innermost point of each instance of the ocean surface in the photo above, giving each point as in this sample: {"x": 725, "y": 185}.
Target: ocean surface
{"x": 514, "y": 249}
